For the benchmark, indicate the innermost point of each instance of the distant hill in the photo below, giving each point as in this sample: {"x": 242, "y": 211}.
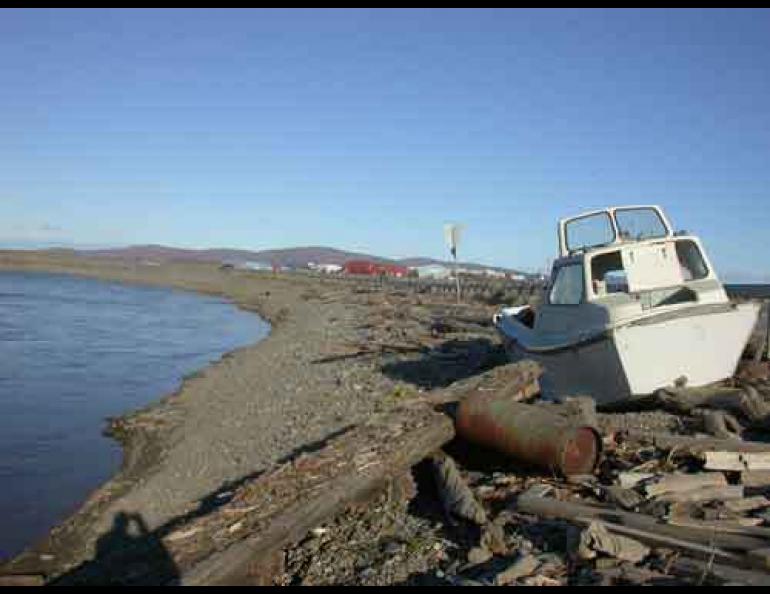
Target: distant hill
{"x": 297, "y": 257}
{"x": 468, "y": 265}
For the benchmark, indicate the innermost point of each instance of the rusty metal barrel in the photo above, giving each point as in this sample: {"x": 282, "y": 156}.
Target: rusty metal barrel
{"x": 531, "y": 434}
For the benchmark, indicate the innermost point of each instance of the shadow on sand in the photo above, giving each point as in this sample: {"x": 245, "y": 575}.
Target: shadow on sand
{"x": 451, "y": 361}
{"x": 132, "y": 555}
{"x": 128, "y": 555}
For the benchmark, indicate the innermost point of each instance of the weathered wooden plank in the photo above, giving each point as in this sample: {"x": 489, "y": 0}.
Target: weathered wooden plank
{"x": 726, "y": 493}
{"x": 21, "y": 580}
{"x": 737, "y": 461}
{"x": 533, "y": 503}
{"x": 679, "y": 483}
{"x": 755, "y": 478}
{"x": 748, "y": 504}
{"x": 696, "y": 445}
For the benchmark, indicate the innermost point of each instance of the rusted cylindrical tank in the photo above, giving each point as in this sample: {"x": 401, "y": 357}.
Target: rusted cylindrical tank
{"x": 531, "y": 434}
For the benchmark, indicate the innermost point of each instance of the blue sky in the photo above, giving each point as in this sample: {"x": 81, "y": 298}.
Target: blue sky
{"x": 369, "y": 129}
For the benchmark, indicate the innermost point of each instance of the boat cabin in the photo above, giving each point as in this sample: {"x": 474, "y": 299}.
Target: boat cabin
{"x": 630, "y": 260}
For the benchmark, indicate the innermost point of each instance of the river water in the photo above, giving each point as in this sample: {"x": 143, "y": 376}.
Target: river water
{"x": 73, "y": 352}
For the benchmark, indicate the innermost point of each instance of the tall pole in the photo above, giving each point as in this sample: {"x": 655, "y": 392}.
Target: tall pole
{"x": 457, "y": 275}
{"x": 452, "y": 236}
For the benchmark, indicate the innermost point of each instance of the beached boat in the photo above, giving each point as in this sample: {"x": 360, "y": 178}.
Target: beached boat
{"x": 631, "y": 307}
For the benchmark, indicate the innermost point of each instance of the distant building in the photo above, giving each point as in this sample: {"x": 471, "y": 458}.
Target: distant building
{"x": 493, "y": 273}
{"x": 368, "y": 268}
{"x": 432, "y": 271}
{"x": 252, "y": 265}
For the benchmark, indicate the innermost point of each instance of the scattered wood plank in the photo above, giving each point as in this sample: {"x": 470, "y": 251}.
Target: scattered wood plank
{"x": 743, "y": 526}
{"x": 629, "y": 480}
{"x": 680, "y": 483}
{"x": 21, "y": 580}
{"x": 656, "y": 538}
{"x": 755, "y": 478}
{"x": 748, "y": 504}
{"x": 698, "y": 570}
{"x": 532, "y": 502}
{"x": 695, "y": 445}
{"x": 726, "y": 493}
{"x": 737, "y": 461}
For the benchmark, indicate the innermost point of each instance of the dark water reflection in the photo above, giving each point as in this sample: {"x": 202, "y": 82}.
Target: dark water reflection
{"x": 73, "y": 352}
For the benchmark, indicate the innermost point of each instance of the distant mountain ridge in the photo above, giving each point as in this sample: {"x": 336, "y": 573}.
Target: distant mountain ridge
{"x": 297, "y": 257}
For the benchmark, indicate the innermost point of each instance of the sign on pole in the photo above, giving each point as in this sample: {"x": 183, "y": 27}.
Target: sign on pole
{"x": 452, "y": 233}
{"x": 452, "y": 236}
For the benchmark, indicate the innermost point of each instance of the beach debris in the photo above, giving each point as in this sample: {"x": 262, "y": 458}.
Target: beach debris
{"x": 628, "y": 480}
{"x": 667, "y": 485}
{"x": 534, "y": 435}
{"x": 738, "y": 461}
{"x": 755, "y": 478}
{"x": 625, "y": 498}
{"x": 596, "y": 539}
{"x": 540, "y": 581}
{"x": 21, "y": 580}
{"x": 582, "y": 409}
{"x": 691, "y": 444}
{"x": 457, "y": 498}
{"x": 748, "y": 504}
{"x": 721, "y": 424}
{"x": 524, "y": 566}
{"x": 645, "y": 528}
{"x": 479, "y": 555}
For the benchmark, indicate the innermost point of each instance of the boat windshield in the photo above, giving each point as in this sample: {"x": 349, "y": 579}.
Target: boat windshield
{"x": 589, "y": 231}
{"x": 637, "y": 224}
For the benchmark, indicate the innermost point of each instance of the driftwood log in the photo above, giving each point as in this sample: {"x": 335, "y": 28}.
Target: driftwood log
{"x": 316, "y": 487}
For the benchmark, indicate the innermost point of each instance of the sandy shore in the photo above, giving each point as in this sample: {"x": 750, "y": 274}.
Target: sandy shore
{"x": 235, "y": 418}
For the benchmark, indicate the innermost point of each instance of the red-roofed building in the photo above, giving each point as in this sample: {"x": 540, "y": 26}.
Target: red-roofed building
{"x": 370, "y": 268}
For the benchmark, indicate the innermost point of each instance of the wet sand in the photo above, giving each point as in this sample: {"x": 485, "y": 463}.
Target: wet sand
{"x": 231, "y": 420}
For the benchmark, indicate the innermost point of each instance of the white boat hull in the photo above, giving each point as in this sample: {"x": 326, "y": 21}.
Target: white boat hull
{"x": 638, "y": 358}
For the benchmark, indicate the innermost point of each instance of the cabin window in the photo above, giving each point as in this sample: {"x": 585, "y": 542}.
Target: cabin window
{"x": 691, "y": 260}
{"x": 589, "y": 231}
{"x": 637, "y": 224}
{"x": 608, "y": 274}
{"x": 567, "y": 288}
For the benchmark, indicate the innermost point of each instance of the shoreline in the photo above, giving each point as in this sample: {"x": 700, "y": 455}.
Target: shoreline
{"x": 146, "y": 435}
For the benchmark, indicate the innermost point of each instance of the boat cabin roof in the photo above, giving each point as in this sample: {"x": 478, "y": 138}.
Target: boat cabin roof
{"x": 612, "y": 226}
{"x": 626, "y": 250}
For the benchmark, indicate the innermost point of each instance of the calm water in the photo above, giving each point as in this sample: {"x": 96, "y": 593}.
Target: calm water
{"x": 755, "y": 291}
{"x": 73, "y": 352}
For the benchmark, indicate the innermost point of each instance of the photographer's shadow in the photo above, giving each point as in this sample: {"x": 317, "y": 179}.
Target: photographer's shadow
{"x": 129, "y": 554}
